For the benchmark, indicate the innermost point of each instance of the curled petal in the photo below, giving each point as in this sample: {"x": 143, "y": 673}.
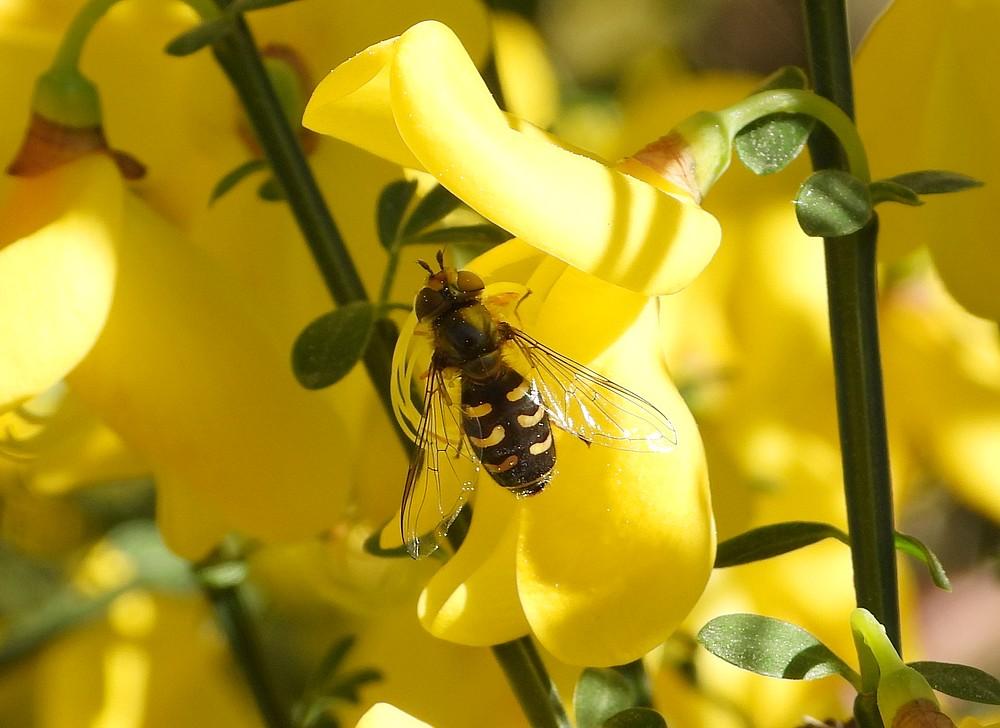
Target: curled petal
{"x": 473, "y": 598}
{"x": 575, "y": 208}
{"x": 57, "y": 272}
{"x": 620, "y": 545}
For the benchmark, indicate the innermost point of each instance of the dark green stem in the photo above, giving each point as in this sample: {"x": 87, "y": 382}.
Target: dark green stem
{"x": 237, "y": 54}
{"x": 535, "y": 691}
{"x": 235, "y": 620}
{"x": 853, "y": 302}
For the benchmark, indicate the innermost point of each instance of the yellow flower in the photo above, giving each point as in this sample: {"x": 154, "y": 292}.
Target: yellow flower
{"x": 419, "y": 101}
{"x": 581, "y": 564}
{"x": 530, "y": 87}
{"x": 920, "y": 79}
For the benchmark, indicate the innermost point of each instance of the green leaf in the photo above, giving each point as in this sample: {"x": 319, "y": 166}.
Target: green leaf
{"x": 960, "y": 681}
{"x": 348, "y": 685}
{"x": 434, "y": 206}
{"x": 245, "y": 6}
{"x": 332, "y": 659}
{"x": 600, "y": 694}
{"x": 771, "y": 647}
{"x": 485, "y": 234}
{"x": 774, "y": 540}
{"x": 917, "y": 549}
{"x": 832, "y": 203}
{"x": 191, "y": 41}
{"x": 784, "y": 77}
{"x": 935, "y": 181}
{"x": 636, "y": 718}
{"x": 372, "y": 545}
{"x": 392, "y": 204}
{"x": 271, "y": 190}
{"x": 770, "y": 144}
{"x": 232, "y": 178}
{"x": 223, "y": 575}
{"x": 330, "y": 346}
{"x": 888, "y": 191}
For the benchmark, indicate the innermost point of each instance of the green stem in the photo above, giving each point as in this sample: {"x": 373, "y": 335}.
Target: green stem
{"x": 67, "y": 58}
{"x": 530, "y": 681}
{"x": 237, "y": 54}
{"x": 851, "y": 286}
{"x": 797, "y": 101}
{"x": 234, "y": 619}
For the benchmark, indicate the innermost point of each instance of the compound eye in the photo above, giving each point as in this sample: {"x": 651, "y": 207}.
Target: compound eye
{"x": 428, "y": 303}
{"x": 468, "y": 282}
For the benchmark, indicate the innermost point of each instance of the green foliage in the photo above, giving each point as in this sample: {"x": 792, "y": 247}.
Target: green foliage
{"x": 484, "y": 235}
{"x": 201, "y": 35}
{"x": 329, "y": 686}
{"x": 917, "y": 549}
{"x": 770, "y": 144}
{"x": 391, "y": 207}
{"x": 373, "y": 547}
{"x": 600, "y": 694}
{"x": 771, "y": 647}
{"x": 271, "y": 190}
{"x": 888, "y": 191}
{"x": 434, "y": 206}
{"x": 935, "y": 181}
{"x": 209, "y": 31}
{"x": 780, "y": 538}
{"x": 234, "y": 177}
{"x": 636, "y": 718}
{"x": 832, "y": 203}
{"x": 960, "y": 681}
{"x": 329, "y": 347}
{"x": 773, "y": 540}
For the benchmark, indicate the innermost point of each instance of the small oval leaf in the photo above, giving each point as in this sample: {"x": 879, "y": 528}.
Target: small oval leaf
{"x": 330, "y": 346}
{"x": 770, "y": 144}
{"x": 832, "y": 203}
{"x": 601, "y": 693}
{"x": 773, "y": 540}
{"x": 233, "y": 178}
{"x": 485, "y": 234}
{"x": 191, "y": 41}
{"x": 885, "y": 190}
{"x": 935, "y": 181}
{"x": 916, "y": 548}
{"x": 771, "y": 647}
{"x": 636, "y": 718}
{"x": 392, "y": 204}
{"x": 960, "y": 681}
{"x": 271, "y": 190}
{"x": 434, "y": 206}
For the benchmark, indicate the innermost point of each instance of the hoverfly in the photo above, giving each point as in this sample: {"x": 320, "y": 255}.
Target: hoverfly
{"x": 491, "y": 396}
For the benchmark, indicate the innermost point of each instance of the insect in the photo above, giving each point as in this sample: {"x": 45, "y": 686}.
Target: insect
{"x": 491, "y": 397}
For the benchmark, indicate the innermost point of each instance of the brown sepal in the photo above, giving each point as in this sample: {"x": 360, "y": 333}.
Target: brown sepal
{"x": 49, "y": 145}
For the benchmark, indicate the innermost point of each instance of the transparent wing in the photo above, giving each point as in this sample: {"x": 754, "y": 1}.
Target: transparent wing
{"x": 591, "y": 406}
{"x": 443, "y": 471}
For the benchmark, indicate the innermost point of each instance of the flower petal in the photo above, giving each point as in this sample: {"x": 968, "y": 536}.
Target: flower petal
{"x": 593, "y": 217}
{"x": 472, "y": 599}
{"x": 615, "y": 552}
{"x": 383, "y": 715}
{"x": 57, "y": 272}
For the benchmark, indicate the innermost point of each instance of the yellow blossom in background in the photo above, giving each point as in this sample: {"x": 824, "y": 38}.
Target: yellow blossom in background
{"x": 383, "y": 715}
{"x": 923, "y": 75}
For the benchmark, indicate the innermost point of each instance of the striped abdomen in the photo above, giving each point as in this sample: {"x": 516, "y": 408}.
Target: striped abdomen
{"x": 509, "y": 429}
